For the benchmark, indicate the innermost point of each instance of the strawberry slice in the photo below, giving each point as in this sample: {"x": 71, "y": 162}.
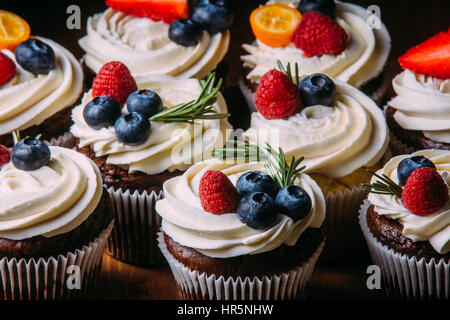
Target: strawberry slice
{"x": 157, "y": 10}
{"x": 431, "y": 58}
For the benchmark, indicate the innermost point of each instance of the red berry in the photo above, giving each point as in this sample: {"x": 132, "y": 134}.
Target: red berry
{"x": 277, "y": 97}
{"x": 317, "y": 34}
{"x": 4, "y": 155}
{"x": 7, "y": 68}
{"x": 431, "y": 57}
{"x": 114, "y": 80}
{"x": 425, "y": 192}
{"x": 217, "y": 194}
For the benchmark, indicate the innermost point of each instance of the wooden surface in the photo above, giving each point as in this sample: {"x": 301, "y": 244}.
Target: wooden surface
{"x": 409, "y": 23}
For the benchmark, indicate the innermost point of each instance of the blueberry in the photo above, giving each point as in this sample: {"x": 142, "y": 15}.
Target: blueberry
{"x": 102, "y": 112}
{"x": 30, "y": 154}
{"x": 213, "y": 15}
{"x": 327, "y": 7}
{"x": 256, "y": 181}
{"x": 35, "y": 56}
{"x": 294, "y": 202}
{"x": 317, "y": 89}
{"x": 132, "y": 128}
{"x": 144, "y": 101}
{"x": 257, "y": 210}
{"x": 185, "y": 32}
{"x": 409, "y": 165}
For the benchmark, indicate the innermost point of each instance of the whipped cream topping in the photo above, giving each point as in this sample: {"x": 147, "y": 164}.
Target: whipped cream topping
{"x": 434, "y": 228}
{"x": 28, "y": 99}
{"x": 422, "y": 104}
{"x": 51, "y": 200}
{"x": 224, "y": 236}
{"x": 170, "y": 146}
{"x": 363, "y": 59}
{"x": 145, "y": 47}
{"x": 335, "y": 140}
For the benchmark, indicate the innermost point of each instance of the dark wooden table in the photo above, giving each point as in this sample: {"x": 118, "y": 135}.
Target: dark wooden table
{"x": 409, "y": 23}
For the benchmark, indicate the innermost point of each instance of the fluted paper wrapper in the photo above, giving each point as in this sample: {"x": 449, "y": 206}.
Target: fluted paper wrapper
{"x": 48, "y": 278}
{"x": 406, "y": 277}
{"x": 133, "y": 238}
{"x": 398, "y": 147}
{"x": 193, "y": 285}
{"x": 66, "y": 140}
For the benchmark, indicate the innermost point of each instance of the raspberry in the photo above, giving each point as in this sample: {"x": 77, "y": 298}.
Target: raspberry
{"x": 425, "y": 192}
{"x": 5, "y": 155}
{"x": 217, "y": 194}
{"x": 114, "y": 80}
{"x": 318, "y": 34}
{"x": 7, "y": 68}
{"x": 277, "y": 97}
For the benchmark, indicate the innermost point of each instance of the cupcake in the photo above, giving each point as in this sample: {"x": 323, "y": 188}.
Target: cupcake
{"x": 230, "y": 231}
{"x": 135, "y": 155}
{"x": 339, "y": 131}
{"x": 55, "y": 222}
{"x": 40, "y": 83}
{"x": 347, "y": 47}
{"x": 419, "y": 115}
{"x": 406, "y": 224}
{"x": 155, "y": 37}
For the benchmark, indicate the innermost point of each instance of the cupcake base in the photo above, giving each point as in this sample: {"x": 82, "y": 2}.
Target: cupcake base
{"x": 406, "y": 276}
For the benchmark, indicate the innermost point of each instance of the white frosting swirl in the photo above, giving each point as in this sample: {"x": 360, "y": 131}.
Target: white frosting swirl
{"x": 336, "y": 140}
{"x": 29, "y": 99}
{"x": 170, "y": 146}
{"x": 51, "y": 200}
{"x": 434, "y": 228}
{"x": 423, "y": 104}
{"x": 145, "y": 47}
{"x": 224, "y": 236}
{"x": 363, "y": 59}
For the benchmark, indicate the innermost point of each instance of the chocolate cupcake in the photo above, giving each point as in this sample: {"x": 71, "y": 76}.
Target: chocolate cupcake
{"x": 134, "y": 171}
{"x": 353, "y": 52}
{"x": 46, "y": 82}
{"x": 56, "y": 220}
{"x": 406, "y": 224}
{"x": 252, "y": 241}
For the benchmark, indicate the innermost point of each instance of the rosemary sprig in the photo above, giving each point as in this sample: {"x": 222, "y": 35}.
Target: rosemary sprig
{"x": 383, "y": 186}
{"x": 199, "y": 109}
{"x": 275, "y": 163}
{"x": 288, "y": 72}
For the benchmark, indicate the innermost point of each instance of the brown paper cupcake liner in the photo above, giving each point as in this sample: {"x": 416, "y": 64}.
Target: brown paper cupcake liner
{"x": 407, "y": 277}
{"x": 66, "y": 140}
{"x": 49, "y": 278}
{"x": 133, "y": 238}
{"x": 193, "y": 285}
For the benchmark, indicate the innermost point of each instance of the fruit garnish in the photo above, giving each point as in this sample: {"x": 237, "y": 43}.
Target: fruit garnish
{"x": 35, "y": 56}
{"x": 431, "y": 58}
{"x": 157, "y": 10}
{"x": 425, "y": 192}
{"x": 5, "y": 155}
{"x": 13, "y": 30}
{"x": 408, "y": 165}
{"x": 256, "y": 181}
{"x": 7, "y": 68}
{"x": 114, "y": 80}
{"x": 274, "y": 24}
{"x": 317, "y": 89}
{"x": 102, "y": 112}
{"x": 217, "y": 193}
{"x": 257, "y": 210}
{"x": 294, "y": 202}
{"x": 185, "y": 32}
{"x": 213, "y": 15}
{"x": 327, "y": 7}
{"x": 317, "y": 34}
{"x": 29, "y": 154}
{"x": 132, "y": 128}
{"x": 146, "y": 102}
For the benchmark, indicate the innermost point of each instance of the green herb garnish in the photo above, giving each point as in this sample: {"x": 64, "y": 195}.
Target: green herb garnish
{"x": 383, "y": 186}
